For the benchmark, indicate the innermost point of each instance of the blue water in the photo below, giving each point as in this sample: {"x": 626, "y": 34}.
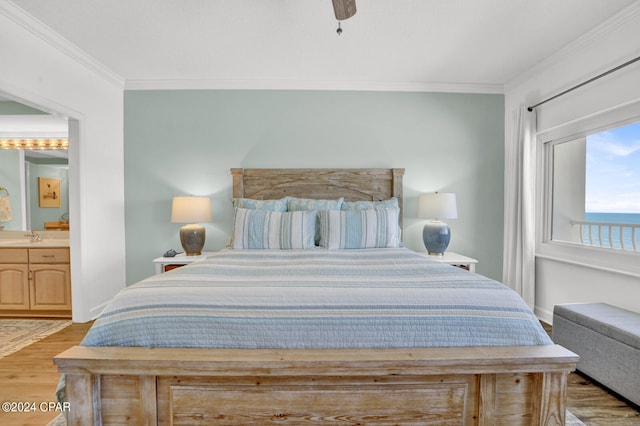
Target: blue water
{"x": 593, "y": 238}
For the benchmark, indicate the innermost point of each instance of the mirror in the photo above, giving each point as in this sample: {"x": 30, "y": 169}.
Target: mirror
{"x": 36, "y": 181}
{"x": 32, "y": 206}
{"x": 47, "y": 207}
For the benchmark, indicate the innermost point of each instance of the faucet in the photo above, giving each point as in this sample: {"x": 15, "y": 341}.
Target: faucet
{"x": 35, "y": 238}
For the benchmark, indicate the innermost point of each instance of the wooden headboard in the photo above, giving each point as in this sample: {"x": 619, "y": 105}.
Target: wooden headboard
{"x": 352, "y": 184}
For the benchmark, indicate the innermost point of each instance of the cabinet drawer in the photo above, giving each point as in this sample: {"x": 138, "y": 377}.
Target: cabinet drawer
{"x": 14, "y": 255}
{"x": 49, "y": 255}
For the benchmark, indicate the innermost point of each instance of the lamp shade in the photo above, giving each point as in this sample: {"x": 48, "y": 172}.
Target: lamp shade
{"x": 191, "y": 210}
{"x": 438, "y": 206}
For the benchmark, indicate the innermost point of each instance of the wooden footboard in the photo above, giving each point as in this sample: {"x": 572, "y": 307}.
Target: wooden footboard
{"x": 461, "y": 386}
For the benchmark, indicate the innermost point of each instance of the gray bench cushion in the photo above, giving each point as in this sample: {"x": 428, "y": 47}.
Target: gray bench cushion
{"x": 617, "y": 323}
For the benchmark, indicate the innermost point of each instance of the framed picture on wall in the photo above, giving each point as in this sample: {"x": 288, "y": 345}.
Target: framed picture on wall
{"x": 48, "y": 192}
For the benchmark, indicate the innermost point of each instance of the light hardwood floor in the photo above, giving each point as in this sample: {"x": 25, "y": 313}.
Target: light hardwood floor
{"x": 30, "y": 376}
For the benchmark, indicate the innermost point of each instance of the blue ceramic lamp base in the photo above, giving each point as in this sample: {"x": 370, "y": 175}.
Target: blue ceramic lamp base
{"x": 436, "y": 236}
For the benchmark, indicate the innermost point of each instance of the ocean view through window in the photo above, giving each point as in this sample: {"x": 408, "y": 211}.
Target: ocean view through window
{"x": 611, "y": 230}
{"x": 613, "y": 188}
{"x": 596, "y": 189}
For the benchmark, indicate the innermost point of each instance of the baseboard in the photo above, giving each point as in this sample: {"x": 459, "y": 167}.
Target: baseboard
{"x": 544, "y": 315}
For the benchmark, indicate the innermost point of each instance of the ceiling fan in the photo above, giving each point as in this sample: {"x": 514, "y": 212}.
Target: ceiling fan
{"x": 344, "y": 9}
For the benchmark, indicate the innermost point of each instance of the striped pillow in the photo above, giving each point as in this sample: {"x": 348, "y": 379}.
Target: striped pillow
{"x": 295, "y": 204}
{"x": 356, "y": 229}
{"x": 264, "y": 229}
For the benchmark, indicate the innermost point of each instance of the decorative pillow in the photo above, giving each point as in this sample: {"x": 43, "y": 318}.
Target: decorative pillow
{"x": 295, "y": 204}
{"x": 271, "y": 205}
{"x": 365, "y": 205}
{"x": 264, "y": 229}
{"x": 355, "y": 229}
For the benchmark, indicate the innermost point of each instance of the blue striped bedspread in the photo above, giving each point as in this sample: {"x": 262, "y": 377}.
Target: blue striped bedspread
{"x": 372, "y": 298}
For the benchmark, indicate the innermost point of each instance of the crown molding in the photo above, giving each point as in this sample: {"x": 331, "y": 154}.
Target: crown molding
{"x": 45, "y": 33}
{"x": 208, "y": 84}
{"x": 627, "y": 14}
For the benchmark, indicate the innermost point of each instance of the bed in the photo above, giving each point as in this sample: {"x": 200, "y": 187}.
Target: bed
{"x": 306, "y": 335}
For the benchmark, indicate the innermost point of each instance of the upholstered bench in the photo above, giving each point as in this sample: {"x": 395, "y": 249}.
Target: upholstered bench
{"x": 607, "y": 339}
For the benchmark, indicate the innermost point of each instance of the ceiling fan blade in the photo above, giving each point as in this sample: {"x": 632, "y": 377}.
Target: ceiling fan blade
{"x": 344, "y": 9}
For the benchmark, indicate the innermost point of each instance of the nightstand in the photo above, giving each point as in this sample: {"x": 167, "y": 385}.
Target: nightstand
{"x": 454, "y": 259}
{"x": 164, "y": 264}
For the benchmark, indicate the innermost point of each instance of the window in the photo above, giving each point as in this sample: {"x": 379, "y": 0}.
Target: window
{"x": 595, "y": 189}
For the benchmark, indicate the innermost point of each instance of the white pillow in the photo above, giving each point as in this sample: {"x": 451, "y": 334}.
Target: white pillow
{"x": 279, "y": 205}
{"x": 365, "y": 205}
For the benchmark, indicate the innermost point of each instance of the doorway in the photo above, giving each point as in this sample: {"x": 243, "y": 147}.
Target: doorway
{"x": 13, "y": 107}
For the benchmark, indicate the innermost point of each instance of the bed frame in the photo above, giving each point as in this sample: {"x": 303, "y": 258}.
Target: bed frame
{"x": 443, "y": 386}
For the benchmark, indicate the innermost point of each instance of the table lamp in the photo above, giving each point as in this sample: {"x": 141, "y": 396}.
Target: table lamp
{"x": 436, "y": 234}
{"x": 191, "y": 210}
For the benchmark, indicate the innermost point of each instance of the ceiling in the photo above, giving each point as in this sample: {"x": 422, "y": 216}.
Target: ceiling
{"x": 463, "y": 45}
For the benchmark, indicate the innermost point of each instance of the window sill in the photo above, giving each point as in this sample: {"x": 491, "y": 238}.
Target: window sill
{"x": 608, "y": 260}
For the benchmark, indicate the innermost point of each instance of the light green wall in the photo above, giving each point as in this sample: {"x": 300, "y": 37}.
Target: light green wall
{"x": 185, "y": 142}
{"x": 15, "y": 108}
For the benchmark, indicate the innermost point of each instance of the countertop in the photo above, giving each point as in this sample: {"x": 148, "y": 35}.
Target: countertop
{"x": 22, "y": 239}
{"x": 27, "y": 243}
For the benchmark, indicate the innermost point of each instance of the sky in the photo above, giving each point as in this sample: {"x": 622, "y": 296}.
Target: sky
{"x": 613, "y": 171}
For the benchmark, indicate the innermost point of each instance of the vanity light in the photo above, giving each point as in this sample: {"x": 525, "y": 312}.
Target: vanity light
{"x": 191, "y": 210}
{"x": 34, "y": 144}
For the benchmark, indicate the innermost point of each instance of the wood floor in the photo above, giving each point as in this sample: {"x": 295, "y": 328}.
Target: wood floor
{"x": 30, "y": 376}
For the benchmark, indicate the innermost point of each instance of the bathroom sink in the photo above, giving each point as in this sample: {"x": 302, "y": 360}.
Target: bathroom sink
{"x": 15, "y": 242}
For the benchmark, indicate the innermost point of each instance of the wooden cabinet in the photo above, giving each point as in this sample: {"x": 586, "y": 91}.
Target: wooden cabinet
{"x": 35, "y": 282}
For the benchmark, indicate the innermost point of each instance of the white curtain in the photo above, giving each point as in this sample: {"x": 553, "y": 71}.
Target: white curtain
{"x": 519, "y": 207}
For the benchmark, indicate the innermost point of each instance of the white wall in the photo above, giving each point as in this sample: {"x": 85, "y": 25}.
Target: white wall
{"x": 559, "y": 276}
{"x": 47, "y": 73}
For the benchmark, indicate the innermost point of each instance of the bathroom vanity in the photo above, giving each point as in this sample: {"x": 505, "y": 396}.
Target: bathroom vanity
{"x": 35, "y": 278}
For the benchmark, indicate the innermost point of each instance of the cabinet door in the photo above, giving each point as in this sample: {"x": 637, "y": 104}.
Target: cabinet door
{"x": 14, "y": 286}
{"x": 50, "y": 287}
